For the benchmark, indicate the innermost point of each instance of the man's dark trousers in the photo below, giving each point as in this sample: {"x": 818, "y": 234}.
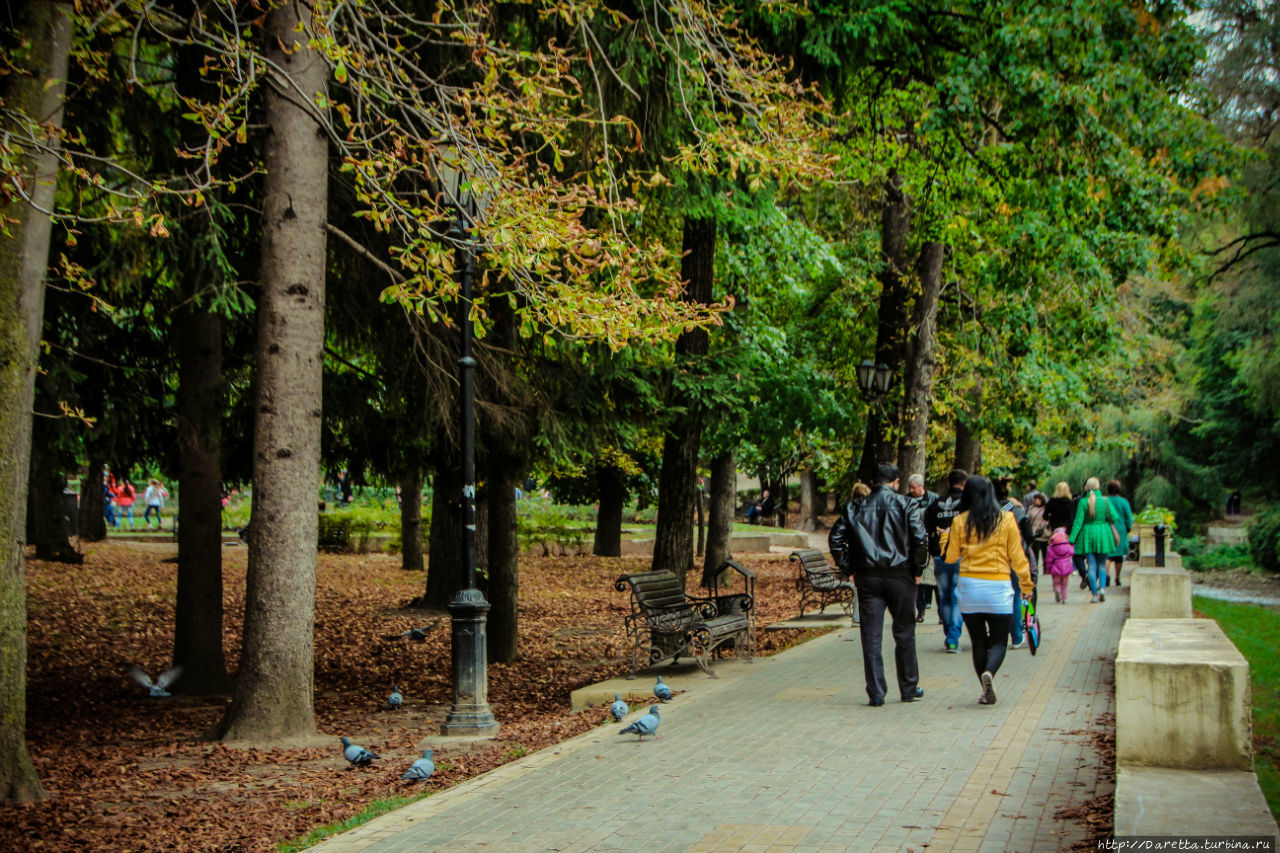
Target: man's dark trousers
{"x": 898, "y": 596}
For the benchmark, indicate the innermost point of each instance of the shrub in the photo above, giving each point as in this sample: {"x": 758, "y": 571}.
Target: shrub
{"x": 1264, "y": 538}
{"x": 1201, "y": 557}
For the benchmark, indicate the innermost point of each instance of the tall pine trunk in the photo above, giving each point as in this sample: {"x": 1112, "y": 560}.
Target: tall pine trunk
{"x": 968, "y": 438}
{"x": 444, "y": 552}
{"x": 411, "y": 521}
{"x": 197, "y": 632}
{"x": 891, "y": 321}
{"x": 274, "y": 686}
{"x": 724, "y": 496}
{"x": 46, "y": 506}
{"x": 612, "y": 493}
{"x": 24, "y": 255}
{"x": 678, "y": 480}
{"x": 809, "y": 499}
{"x": 504, "y": 565}
{"x": 921, "y": 361}
{"x": 93, "y": 522}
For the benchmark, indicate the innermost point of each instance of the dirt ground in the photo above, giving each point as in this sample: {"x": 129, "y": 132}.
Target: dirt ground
{"x": 126, "y": 772}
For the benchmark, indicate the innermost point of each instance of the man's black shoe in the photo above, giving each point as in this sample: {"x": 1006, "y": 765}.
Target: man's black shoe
{"x": 876, "y": 703}
{"x": 911, "y": 697}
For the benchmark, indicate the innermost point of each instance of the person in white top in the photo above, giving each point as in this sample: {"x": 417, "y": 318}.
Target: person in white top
{"x": 154, "y": 497}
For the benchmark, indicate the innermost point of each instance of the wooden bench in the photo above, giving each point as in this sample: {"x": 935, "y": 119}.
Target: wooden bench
{"x": 819, "y": 583}
{"x": 665, "y": 622}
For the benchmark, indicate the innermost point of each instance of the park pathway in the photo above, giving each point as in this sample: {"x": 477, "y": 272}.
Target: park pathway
{"x": 787, "y": 756}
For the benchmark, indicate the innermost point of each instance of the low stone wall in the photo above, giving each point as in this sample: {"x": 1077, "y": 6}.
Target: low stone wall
{"x": 1159, "y": 593}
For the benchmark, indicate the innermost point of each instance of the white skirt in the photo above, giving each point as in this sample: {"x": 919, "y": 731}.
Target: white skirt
{"x": 980, "y": 595}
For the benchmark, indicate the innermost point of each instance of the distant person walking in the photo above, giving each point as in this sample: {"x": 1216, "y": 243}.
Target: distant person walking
{"x": 1095, "y": 536}
{"x": 881, "y": 542}
{"x": 1059, "y": 564}
{"x": 125, "y": 496}
{"x": 985, "y": 540}
{"x": 937, "y": 521}
{"x": 1123, "y": 524}
{"x": 1233, "y": 502}
{"x": 928, "y": 581}
{"x": 109, "y": 499}
{"x": 1040, "y": 529}
{"x": 154, "y": 497}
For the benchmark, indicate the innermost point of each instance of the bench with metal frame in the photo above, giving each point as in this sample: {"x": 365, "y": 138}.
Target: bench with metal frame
{"x": 819, "y": 583}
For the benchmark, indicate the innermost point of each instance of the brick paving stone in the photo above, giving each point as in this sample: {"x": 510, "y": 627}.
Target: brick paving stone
{"x": 787, "y": 756}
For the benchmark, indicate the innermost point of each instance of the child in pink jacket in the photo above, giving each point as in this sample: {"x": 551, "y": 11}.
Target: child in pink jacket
{"x": 1057, "y": 561}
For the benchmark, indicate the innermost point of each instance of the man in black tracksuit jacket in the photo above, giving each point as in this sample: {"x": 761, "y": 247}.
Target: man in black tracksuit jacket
{"x": 881, "y": 542}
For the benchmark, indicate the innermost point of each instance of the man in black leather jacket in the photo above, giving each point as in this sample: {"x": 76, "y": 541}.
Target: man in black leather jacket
{"x": 881, "y": 542}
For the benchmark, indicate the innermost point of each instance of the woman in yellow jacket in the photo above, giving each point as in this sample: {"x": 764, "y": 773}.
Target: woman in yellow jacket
{"x": 986, "y": 542}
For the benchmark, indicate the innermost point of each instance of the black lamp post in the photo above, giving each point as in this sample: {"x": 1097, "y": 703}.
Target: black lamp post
{"x": 875, "y": 380}
{"x": 470, "y": 713}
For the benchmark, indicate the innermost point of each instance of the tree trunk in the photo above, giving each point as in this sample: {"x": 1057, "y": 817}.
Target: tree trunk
{"x": 444, "y": 552}
{"x": 197, "y": 632}
{"x": 273, "y": 699}
{"x": 891, "y": 322}
{"x": 968, "y": 438}
{"x": 46, "y": 506}
{"x": 411, "y": 521}
{"x": 699, "y": 515}
{"x": 808, "y": 521}
{"x": 678, "y": 480}
{"x": 724, "y": 498}
{"x": 24, "y": 255}
{"x": 921, "y": 362}
{"x": 93, "y": 521}
{"x": 613, "y": 497}
{"x": 504, "y": 567}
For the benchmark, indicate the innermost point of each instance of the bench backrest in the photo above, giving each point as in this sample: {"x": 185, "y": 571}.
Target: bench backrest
{"x": 813, "y": 562}
{"x": 653, "y": 591}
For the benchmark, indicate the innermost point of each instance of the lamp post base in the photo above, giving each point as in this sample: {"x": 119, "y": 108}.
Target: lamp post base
{"x": 470, "y": 714}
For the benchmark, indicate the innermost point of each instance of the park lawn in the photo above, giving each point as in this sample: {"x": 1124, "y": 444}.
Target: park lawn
{"x": 129, "y": 773}
{"x": 1255, "y": 631}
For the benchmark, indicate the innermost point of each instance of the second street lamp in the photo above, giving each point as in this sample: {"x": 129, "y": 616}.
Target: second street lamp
{"x": 470, "y": 713}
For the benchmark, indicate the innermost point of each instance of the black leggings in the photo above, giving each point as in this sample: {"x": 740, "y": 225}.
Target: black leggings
{"x": 989, "y": 637}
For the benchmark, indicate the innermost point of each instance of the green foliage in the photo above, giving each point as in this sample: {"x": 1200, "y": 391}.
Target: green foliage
{"x": 1201, "y": 557}
{"x": 1264, "y": 538}
{"x": 1153, "y": 514}
{"x": 375, "y": 809}
{"x": 1255, "y": 631}
{"x": 555, "y": 528}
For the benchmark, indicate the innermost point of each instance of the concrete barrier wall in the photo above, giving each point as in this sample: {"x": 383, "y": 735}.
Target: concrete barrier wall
{"x": 1182, "y": 697}
{"x": 1159, "y": 593}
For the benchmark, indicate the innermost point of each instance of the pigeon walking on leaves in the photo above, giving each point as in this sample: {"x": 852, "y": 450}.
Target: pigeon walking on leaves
{"x": 395, "y": 700}
{"x": 418, "y": 635}
{"x": 619, "y": 708}
{"x": 661, "y": 690}
{"x": 156, "y": 688}
{"x": 646, "y": 725}
{"x": 357, "y": 755}
{"x": 421, "y": 769}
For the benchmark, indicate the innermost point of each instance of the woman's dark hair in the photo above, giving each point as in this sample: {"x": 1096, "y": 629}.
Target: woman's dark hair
{"x": 1113, "y": 488}
{"x": 979, "y": 500}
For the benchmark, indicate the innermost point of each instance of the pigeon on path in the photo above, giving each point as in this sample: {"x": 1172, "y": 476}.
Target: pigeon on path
{"x": 619, "y": 708}
{"x": 421, "y": 769}
{"x": 357, "y": 755}
{"x": 661, "y": 690}
{"x": 418, "y": 635}
{"x": 157, "y": 687}
{"x": 395, "y": 699}
{"x": 646, "y": 725}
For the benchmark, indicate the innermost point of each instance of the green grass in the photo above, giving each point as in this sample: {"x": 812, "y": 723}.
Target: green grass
{"x": 1256, "y": 633}
{"x": 375, "y": 809}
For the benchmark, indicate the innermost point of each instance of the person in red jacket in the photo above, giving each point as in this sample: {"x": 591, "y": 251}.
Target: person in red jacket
{"x": 125, "y": 496}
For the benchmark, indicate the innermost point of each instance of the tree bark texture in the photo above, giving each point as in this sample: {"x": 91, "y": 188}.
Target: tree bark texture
{"x": 724, "y": 497}
{"x": 612, "y": 492}
{"x": 504, "y": 567}
{"x": 273, "y": 698}
{"x": 411, "y": 522}
{"x": 808, "y": 521}
{"x": 891, "y": 322}
{"x": 24, "y": 256}
{"x": 921, "y": 361}
{"x": 197, "y": 630}
{"x": 46, "y": 506}
{"x": 968, "y": 438}
{"x": 444, "y": 563}
{"x": 93, "y": 521}
{"x": 678, "y": 480}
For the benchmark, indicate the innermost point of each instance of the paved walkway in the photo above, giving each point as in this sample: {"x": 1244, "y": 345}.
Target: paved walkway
{"x": 788, "y": 757}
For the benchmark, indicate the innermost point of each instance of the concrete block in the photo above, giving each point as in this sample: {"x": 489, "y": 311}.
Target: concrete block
{"x": 1159, "y": 593}
{"x": 749, "y": 543}
{"x": 1182, "y": 697}
{"x": 1157, "y": 801}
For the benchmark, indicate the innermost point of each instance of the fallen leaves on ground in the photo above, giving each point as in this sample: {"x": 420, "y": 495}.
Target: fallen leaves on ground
{"x": 126, "y": 772}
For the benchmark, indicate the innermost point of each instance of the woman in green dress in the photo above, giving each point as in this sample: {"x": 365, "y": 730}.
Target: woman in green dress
{"x": 1093, "y": 536}
{"x": 1124, "y": 523}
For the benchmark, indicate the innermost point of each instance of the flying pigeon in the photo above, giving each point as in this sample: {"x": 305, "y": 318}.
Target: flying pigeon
{"x": 619, "y": 708}
{"x": 646, "y": 725}
{"x": 418, "y": 635}
{"x": 661, "y": 690}
{"x": 157, "y": 687}
{"x": 421, "y": 769}
{"x": 394, "y": 700}
{"x": 357, "y": 755}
